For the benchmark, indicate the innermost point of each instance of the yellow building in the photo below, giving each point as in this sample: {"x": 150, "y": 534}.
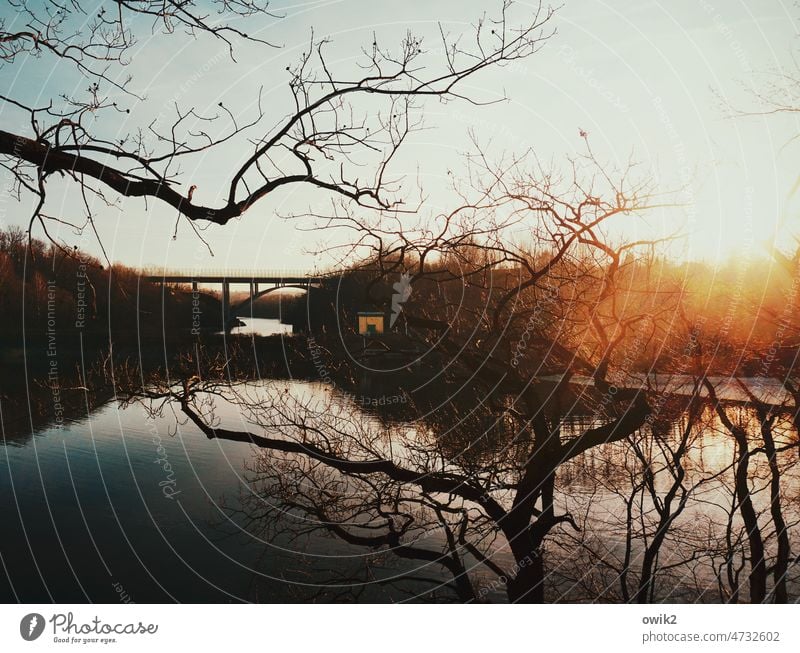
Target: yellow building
{"x": 370, "y": 323}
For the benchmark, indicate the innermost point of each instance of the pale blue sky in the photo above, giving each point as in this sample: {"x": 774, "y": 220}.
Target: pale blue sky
{"x": 639, "y": 77}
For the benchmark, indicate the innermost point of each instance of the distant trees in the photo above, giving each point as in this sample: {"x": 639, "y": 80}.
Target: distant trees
{"x": 45, "y": 290}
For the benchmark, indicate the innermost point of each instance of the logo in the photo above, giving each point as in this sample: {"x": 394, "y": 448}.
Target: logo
{"x": 402, "y": 291}
{"x": 31, "y": 626}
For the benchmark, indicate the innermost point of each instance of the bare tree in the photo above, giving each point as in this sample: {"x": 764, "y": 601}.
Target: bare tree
{"x": 482, "y": 495}
{"x": 340, "y": 134}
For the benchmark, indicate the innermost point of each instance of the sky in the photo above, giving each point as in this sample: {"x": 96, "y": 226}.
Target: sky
{"x": 652, "y": 81}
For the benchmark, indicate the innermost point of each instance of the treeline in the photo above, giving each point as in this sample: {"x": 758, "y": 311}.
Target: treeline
{"x": 656, "y": 306}
{"x": 48, "y": 295}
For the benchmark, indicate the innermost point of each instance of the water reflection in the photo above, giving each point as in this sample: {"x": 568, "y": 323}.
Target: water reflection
{"x": 295, "y": 490}
{"x": 260, "y": 326}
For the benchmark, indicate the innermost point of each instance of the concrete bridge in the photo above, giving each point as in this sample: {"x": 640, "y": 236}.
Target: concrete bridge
{"x": 256, "y": 280}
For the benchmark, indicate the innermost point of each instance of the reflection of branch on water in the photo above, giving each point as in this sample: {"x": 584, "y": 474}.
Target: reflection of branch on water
{"x": 628, "y": 505}
{"x": 758, "y": 562}
{"x": 419, "y": 492}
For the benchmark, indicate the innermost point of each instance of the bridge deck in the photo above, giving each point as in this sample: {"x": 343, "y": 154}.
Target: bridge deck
{"x": 234, "y": 276}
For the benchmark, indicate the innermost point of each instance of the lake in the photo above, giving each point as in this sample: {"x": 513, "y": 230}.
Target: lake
{"x": 135, "y": 496}
{"x": 123, "y": 498}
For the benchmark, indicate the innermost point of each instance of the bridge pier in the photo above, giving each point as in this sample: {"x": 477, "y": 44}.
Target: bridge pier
{"x": 226, "y": 306}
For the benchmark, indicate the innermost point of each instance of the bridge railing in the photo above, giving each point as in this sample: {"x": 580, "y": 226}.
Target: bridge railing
{"x": 242, "y": 273}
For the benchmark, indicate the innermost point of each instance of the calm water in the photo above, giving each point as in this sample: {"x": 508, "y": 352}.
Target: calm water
{"x": 259, "y": 326}
{"x": 152, "y": 504}
{"x": 86, "y": 507}
{"x": 94, "y": 504}
{"x": 87, "y": 511}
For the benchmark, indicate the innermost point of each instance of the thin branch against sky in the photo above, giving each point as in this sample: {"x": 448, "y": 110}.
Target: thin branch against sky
{"x": 643, "y": 80}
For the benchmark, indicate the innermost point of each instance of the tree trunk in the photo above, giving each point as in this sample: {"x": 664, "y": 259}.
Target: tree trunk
{"x": 528, "y": 585}
{"x": 781, "y": 568}
{"x": 758, "y": 565}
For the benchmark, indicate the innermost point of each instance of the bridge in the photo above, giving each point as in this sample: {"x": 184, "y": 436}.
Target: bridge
{"x": 254, "y": 279}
